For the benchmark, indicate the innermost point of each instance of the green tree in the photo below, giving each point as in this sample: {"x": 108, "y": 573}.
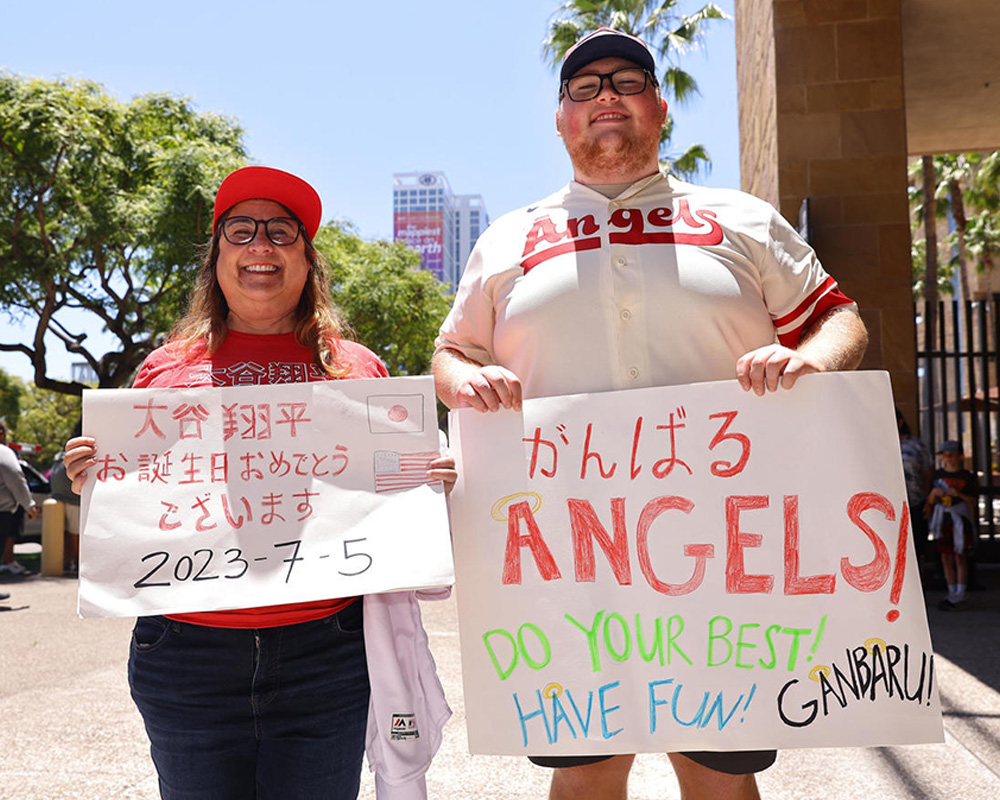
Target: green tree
{"x": 669, "y": 33}
{"x": 966, "y": 191}
{"x": 102, "y": 204}
{"x": 47, "y": 419}
{"x": 12, "y": 390}
{"x": 394, "y": 306}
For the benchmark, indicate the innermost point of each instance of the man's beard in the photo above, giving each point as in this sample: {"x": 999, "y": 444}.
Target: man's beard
{"x": 610, "y": 156}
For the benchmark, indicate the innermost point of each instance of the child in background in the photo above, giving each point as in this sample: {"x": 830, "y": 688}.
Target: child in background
{"x": 950, "y": 507}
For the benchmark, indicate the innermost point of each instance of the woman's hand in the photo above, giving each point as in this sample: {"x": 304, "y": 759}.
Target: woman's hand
{"x": 443, "y": 469}
{"x": 80, "y": 453}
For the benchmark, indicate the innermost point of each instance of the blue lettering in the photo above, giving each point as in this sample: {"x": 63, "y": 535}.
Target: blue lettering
{"x": 653, "y": 702}
{"x": 605, "y": 711}
{"x": 523, "y": 718}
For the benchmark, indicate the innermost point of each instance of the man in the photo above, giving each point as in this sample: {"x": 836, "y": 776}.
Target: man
{"x": 627, "y": 278}
{"x": 15, "y": 501}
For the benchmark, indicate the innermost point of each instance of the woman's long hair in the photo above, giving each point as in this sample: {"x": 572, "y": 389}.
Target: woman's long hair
{"x": 318, "y": 322}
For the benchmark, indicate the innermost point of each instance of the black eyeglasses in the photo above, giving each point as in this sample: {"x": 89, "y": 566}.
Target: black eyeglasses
{"x": 281, "y": 231}
{"x": 630, "y": 80}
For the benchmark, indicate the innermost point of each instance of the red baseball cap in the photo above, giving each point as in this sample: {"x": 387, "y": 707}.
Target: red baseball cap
{"x": 266, "y": 183}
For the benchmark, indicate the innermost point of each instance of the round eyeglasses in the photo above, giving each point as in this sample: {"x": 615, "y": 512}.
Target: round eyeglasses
{"x": 280, "y": 231}
{"x": 630, "y": 80}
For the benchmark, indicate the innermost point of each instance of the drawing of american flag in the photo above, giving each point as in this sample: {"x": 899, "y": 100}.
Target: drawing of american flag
{"x": 396, "y": 471}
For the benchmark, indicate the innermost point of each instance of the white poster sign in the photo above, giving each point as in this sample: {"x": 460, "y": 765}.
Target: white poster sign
{"x": 690, "y": 568}
{"x": 237, "y": 497}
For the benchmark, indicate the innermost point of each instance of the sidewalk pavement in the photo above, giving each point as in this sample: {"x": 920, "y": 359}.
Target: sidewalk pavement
{"x": 68, "y": 728}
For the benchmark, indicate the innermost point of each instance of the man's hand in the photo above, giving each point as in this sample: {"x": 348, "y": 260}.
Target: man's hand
{"x": 768, "y": 367}
{"x": 32, "y": 512}
{"x": 835, "y": 341}
{"x": 464, "y": 383}
{"x": 488, "y": 389}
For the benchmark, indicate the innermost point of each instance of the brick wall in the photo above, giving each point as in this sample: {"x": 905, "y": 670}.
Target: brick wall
{"x": 839, "y": 138}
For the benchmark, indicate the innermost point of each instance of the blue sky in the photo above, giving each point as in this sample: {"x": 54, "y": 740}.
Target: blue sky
{"x": 345, "y": 94}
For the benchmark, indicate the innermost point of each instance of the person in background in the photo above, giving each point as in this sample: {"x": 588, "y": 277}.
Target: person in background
{"x": 274, "y": 702}
{"x": 917, "y": 468}
{"x": 16, "y": 503}
{"x": 951, "y": 508}
{"x": 629, "y": 278}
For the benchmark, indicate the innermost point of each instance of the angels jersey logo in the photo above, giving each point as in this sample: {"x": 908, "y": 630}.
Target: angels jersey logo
{"x": 547, "y": 239}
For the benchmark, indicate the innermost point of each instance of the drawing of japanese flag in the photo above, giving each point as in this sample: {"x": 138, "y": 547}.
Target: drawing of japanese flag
{"x": 395, "y": 471}
{"x": 395, "y": 413}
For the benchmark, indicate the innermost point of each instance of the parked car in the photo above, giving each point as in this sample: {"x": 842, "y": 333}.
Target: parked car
{"x": 40, "y": 490}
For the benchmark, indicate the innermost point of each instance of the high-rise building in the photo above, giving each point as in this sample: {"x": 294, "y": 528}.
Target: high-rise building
{"x": 440, "y": 225}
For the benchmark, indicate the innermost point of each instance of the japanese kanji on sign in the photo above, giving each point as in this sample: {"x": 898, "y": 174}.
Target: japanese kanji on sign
{"x": 211, "y": 498}
{"x": 690, "y": 568}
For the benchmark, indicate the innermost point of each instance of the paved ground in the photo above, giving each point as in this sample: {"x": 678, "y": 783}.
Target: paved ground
{"x": 68, "y": 728}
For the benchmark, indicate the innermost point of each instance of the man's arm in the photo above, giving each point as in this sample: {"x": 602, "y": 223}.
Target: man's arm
{"x": 835, "y": 341}
{"x": 464, "y": 383}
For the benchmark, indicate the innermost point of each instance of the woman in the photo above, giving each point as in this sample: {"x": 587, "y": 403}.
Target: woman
{"x": 273, "y": 701}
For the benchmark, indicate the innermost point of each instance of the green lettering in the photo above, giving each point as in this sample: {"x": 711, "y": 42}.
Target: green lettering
{"x": 740, "y": 645}
{"x": 591, "y": 633}
{"x": 713, "y": 637}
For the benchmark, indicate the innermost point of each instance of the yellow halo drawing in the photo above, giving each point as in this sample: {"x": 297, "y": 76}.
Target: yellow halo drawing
{"x": 552, "y": 690}
{"x": 816, "y": 671}
{"x": 870, "y": 644}
{"x": 499, "y": 507}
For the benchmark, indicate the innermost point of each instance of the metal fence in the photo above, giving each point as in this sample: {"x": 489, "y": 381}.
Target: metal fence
{"x": 958, "y": 393}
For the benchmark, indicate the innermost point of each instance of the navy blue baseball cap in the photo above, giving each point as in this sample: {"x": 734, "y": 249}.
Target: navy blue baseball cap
{"x": 606, "y": 43}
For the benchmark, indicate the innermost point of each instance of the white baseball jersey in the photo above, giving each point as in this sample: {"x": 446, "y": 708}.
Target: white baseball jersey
{"x": 667, "y": 283}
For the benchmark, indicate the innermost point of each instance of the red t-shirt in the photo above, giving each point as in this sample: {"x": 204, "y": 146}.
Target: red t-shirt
{"x": 246, "y": 359}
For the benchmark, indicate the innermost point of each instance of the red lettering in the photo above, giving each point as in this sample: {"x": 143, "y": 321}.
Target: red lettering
{"x": 794, "y": 584}
{"x": 587, "y": 455}
{"x": 586, "y": 225}
{"x": 586, "y": 528}
{"x": 661, "y": 217}
{"x": 543, "y": 230}
{"x": 868, "y": 577}
{"x": 635, "y": 469}
{"x": 533, "y": 539}
{"x": 630, "y": 218}
{"x": 700, "y": 552}
{"x": 900, "y": 571}
{"x": 737, "y": 581}
{"x": 726, "y": 469}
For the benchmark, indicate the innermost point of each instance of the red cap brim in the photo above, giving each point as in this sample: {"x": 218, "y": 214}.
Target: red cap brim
{"x": 265, "y": 183}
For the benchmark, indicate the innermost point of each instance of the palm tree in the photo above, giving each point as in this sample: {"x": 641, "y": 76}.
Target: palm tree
{"x": 966, "y": 186}
{"x": 669, "y": 34}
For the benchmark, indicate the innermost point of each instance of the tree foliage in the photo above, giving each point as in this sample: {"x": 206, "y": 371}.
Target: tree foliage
{"x": 670, "y": 35}
{"x": 394, "y": 306}
{"x": 47, "y": 419}
{"x": 967, "y": 198}
{"x": 12, "y": 390}
{"x": 102, "y": 204}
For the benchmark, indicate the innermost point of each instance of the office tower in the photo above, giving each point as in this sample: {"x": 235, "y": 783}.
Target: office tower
{"x": 440, "y": 225}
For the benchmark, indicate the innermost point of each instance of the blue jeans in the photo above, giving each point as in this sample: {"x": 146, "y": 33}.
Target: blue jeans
{"x": 242, "y": 714}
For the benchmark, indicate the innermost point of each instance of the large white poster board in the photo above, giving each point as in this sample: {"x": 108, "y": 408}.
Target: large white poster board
{"x": 690, "y": 568}
{"x": 238, "y": 497}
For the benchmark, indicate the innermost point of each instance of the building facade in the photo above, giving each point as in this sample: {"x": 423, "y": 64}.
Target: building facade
{"x": 442, "y": 226}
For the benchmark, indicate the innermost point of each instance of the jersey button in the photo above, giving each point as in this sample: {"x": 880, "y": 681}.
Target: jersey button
{"x": 626, "y": 314}
{"x": 633, "y": 373}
